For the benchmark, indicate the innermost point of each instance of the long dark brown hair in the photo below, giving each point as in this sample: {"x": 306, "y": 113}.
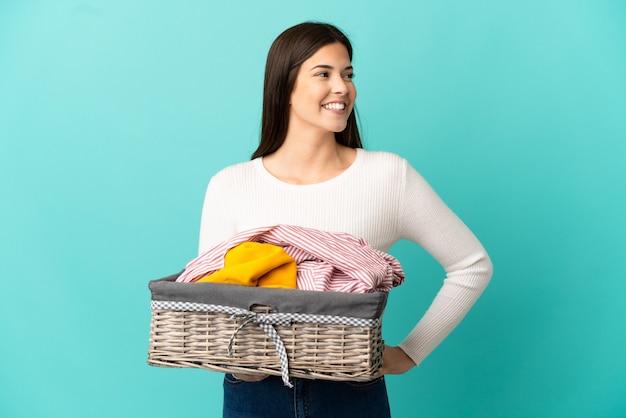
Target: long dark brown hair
{"x": 286, "y": 55}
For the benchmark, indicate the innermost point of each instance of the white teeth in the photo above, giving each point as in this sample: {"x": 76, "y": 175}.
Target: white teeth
{"x": 334, "y": 106}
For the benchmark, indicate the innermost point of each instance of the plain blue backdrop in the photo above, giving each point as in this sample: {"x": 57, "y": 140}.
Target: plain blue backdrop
{"x": 114, "y": 115}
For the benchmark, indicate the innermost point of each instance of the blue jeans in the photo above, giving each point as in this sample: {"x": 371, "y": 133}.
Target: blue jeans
{"x": 308, "y": 399}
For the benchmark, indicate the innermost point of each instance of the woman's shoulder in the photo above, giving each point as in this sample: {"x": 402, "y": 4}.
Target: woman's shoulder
{"x": 383, "y": 159}
{"x": 234, "y": 176}
{"x": 237, "y": 170}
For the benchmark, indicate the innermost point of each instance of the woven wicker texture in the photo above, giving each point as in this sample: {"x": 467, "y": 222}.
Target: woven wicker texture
{"x": 315, "y": 351}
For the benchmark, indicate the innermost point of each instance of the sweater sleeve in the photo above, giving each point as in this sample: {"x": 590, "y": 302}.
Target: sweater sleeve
{"x": 215, "y": 225}
{"x": 426, "y": 220}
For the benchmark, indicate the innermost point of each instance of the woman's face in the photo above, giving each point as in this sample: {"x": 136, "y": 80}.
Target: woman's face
{"x": 323, "y": 95}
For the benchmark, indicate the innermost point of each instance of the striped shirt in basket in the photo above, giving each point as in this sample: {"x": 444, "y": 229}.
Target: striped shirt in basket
{"x": 326, "y": 261}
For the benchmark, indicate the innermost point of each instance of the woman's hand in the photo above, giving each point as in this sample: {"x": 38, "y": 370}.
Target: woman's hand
{"x": 395, "y": 361}
{"x": 249, "y": 377}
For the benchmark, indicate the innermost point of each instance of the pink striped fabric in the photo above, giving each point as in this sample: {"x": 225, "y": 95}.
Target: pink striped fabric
{"x": 326, "y": 261}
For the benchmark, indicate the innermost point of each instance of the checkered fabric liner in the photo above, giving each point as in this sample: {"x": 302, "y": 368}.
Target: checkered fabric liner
{"x": 266, "y": 322}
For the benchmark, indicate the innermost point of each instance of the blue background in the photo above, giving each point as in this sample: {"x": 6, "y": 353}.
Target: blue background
{"x": 114, "y": 114}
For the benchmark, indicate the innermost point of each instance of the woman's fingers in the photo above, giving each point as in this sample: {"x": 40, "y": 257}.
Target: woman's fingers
{"x": 249, "y": 377}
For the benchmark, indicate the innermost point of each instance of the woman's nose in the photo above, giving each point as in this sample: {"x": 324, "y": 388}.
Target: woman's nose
{"x": 340, "y": 86}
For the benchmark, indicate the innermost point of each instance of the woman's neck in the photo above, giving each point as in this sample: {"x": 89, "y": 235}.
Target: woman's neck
{"x": 309, "y": 160}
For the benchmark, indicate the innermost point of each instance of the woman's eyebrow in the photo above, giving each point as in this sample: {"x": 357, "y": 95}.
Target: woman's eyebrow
{"x": 329, "y": 67}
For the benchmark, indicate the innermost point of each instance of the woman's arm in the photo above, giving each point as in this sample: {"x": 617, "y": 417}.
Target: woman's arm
{"x": 426, "y": 220}
{"x": 216, "y": 225}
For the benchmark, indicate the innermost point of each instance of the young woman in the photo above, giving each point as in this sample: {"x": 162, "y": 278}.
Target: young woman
{"x": 310, "y": 170}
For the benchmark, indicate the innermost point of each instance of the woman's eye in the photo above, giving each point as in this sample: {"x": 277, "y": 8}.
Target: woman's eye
{"x": 326, "y": 74}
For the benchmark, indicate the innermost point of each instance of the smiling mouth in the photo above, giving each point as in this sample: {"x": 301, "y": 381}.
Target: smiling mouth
{"x": 334, "y": 106}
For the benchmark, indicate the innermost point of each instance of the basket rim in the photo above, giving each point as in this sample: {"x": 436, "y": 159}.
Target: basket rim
{"x": 359, "y": 305}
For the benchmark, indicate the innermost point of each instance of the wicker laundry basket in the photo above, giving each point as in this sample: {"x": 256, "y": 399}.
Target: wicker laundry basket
{"x": 283, "y": 332}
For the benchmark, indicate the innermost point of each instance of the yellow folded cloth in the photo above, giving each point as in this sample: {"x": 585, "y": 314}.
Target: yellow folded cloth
{"x": 256, "y": 264}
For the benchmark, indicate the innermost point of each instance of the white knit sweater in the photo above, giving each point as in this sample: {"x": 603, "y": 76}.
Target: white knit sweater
{"x": 381, "y": 198}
